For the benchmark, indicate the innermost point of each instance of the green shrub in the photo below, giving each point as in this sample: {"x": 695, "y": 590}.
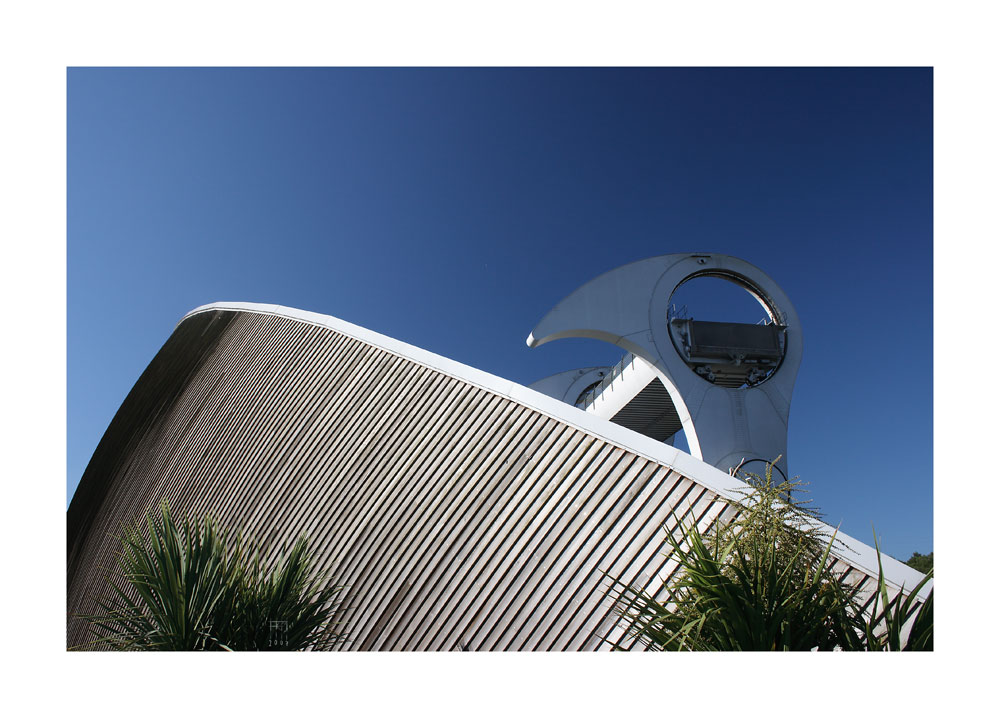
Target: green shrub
{"x": 195, "y": 587}
{"x": 765, "y": 581}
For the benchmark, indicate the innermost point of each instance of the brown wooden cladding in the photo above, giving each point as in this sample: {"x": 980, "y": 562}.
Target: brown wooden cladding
{"x": 455, "y": 517}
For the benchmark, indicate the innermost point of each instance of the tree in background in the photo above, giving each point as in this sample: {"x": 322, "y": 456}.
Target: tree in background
{"x": 923, "y": 562}
{"x": 194, "y": 587}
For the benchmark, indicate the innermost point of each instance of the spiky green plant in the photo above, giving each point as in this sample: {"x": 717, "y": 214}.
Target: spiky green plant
{"x": 195, "y": 587}
{"x": 883, "y": 626}
{"x": 290, "y": 595}
{"x": 755, "y": 587}
{"x": 765, "y": 580}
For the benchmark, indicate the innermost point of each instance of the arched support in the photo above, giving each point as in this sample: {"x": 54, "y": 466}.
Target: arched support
{"x": 567, "y": 386}
{"x": 628, "y": 307}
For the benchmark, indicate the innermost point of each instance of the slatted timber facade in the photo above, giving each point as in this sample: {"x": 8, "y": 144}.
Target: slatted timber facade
{"x": 455, "y": 516}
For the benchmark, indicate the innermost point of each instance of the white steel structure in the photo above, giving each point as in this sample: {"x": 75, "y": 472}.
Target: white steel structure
{"x": 459, "y": 510}
{"x": 728, "y": 385}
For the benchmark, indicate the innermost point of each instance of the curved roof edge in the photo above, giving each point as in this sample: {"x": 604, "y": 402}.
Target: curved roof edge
{"x": 858, "y": 553}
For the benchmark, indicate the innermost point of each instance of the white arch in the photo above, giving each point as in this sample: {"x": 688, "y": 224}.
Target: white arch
{"x": 567, "y": 386}
{"x": 628, "y": 307}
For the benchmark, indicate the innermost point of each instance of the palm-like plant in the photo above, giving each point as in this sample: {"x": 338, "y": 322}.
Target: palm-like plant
{"x": 765, "y": 581}
{"x": 883, "y": 628}
{"x": 284, "y": 609}
{"x": 187, "y": 590}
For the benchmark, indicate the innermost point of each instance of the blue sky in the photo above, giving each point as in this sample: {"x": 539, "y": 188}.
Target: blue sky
{"x": 453, "y": 208}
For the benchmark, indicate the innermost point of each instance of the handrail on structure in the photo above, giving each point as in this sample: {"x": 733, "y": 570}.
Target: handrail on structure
{"x": 616, "y": 370}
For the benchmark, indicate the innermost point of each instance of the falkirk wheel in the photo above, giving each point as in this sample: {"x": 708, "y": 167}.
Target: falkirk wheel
{"x": 728, "y": 385}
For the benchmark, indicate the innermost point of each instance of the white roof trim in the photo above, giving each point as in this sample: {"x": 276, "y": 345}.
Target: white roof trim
{"x": 859, "y": 554}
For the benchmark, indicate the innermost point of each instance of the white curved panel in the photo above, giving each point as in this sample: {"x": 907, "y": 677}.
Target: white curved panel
{"x": 458, "y": 508}
{"x": 628, "y": 306}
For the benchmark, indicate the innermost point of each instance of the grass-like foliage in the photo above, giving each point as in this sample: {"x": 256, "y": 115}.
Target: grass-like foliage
{"x": 883, "y": 627}
{"x": 195, "y": 587}
{"x": 765, "y": 581}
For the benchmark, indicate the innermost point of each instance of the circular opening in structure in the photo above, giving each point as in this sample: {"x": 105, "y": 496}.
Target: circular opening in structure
{"x": 725, "y": 330}
{"x": 714, "y": 299}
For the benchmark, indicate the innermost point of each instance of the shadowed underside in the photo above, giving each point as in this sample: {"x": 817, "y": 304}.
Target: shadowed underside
{"x": 458, "y": 510}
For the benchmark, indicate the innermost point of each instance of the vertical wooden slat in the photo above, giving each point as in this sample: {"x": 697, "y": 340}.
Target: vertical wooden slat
{"x": 452, "y": 515}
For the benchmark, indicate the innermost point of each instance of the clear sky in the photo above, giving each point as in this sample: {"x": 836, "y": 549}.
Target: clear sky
{"x": 452, "y": 209}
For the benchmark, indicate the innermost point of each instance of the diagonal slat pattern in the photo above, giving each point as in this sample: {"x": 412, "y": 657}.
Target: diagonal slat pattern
{"x": 455, "y": 516}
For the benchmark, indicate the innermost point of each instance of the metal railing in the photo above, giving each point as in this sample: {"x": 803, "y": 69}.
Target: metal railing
{"x": 591, "y": 396}
{"x": 674, "y": 313}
